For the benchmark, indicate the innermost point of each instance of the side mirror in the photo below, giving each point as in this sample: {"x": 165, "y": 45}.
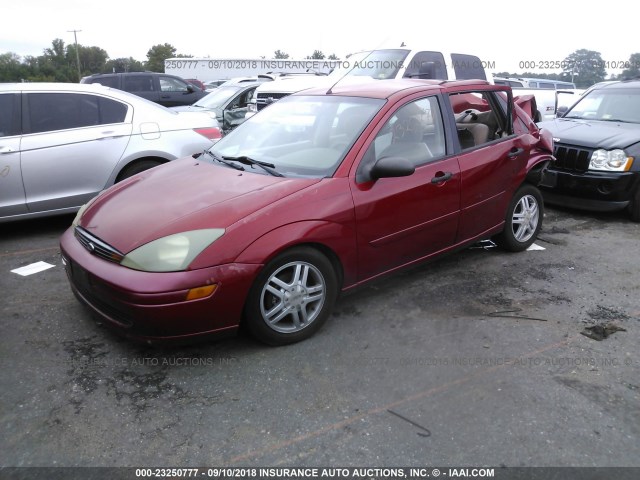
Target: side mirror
{"x": 388, "y": 167}
{"x": 190, "y": 88}
{"x": 561, "y": 111}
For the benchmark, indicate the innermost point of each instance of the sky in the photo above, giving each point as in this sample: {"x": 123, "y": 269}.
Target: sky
{"x": 541, "y": 33}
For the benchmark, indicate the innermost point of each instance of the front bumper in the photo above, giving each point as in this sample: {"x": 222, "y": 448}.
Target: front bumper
{"x": 151, "y": 306}
{"x": 597, "y": 191}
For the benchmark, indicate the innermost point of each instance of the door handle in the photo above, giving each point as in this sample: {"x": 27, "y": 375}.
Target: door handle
{"x": 441, "y": 177}
{"x": 514, "y": 152}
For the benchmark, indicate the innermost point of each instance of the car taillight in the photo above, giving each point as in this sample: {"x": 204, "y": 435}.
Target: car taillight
{"x": 214, "y": 134}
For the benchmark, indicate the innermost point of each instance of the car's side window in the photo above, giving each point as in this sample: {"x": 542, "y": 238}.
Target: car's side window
{"x": 479, "y": 120}
{"x": 9, "y": 114}
{"x": 59, "y": 111}
{"x": 169, "y": 84}
{"x": 414, "y": 132}
{"x": 106, "y": 80}
{"x": 137, "y": 83}
{"x": 427, "y": 65}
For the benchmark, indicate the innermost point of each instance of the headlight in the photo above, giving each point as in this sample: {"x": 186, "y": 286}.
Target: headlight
{"x": 173, "y": 253}
{"x": 610, "y": 161}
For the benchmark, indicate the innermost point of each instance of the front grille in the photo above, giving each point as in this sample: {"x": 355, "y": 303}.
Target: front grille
{"x": 264, "y": 99}
{"x": 85, "y": 284}
{"x": 97, "y": 247}
{"x": 571, "y": 158}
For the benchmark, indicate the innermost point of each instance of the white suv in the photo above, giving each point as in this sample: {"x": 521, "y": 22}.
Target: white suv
{"x": 378, "y": 65}
{"x": 62, "y": 143}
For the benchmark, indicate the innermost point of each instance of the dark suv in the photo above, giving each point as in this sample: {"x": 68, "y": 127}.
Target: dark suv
{"x": 167, "y": 90}
{"x": 597, "y": 147}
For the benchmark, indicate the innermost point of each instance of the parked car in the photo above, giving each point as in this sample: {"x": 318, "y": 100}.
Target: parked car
{"x": 597, "y": 145}
{"x": 379, "y": 64}
{"x": 197, "y": 83}
{"x": 213, "y": 84}
{"x": 167, "y": 90}
{"x": 227, "y": 102}
{"x": 317, "y": 194}
{"x": 61, "y": 144}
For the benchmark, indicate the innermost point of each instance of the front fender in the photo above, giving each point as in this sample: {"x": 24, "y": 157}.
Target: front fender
{"x": 333, "y": 238}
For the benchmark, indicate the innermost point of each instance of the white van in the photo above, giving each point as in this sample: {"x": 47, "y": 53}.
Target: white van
{"x": 378, "y": 65}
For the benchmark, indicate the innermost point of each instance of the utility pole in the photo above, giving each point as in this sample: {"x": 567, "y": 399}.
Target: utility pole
{"x": 75, "y": 37}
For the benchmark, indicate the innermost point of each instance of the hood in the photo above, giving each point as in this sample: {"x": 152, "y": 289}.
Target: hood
{"x": 593, "y": 133}
{"x": 183, "y": 195}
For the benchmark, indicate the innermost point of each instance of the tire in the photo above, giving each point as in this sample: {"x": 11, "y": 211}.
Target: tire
{"x": 136, "y": 167}
{"x": 291, "y": 297}
{"x": 523, "y": 220}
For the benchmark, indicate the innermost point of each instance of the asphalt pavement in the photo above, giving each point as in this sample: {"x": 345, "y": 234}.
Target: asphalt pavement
{"x": 477, "y": 359}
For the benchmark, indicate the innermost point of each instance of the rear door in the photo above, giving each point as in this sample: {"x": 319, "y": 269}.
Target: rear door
{"x": 71, "y": 144}
{"x": 12, "y": 197}
{"x": 401, "y": 220}
{"x": 142, "y": 85}
{"x": 489, "y": 157}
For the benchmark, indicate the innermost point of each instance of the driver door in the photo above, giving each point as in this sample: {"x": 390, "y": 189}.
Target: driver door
{"x": 402, "y": 220}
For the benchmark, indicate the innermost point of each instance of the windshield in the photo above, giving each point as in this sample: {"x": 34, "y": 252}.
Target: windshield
{"x": 377, "y": 64}
{"x": 614, "y": 105}
{"x": 218, "y": 97}
{"x": 305, "y": 136}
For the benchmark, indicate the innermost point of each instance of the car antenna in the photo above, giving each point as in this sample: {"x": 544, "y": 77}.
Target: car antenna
{"x": 330, "y": 91}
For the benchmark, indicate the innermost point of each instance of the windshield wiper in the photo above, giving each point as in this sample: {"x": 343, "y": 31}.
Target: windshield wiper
{"x": 267, "y": 167}
{"x": 222, "y": 160}
{"x": 614, "y": 120}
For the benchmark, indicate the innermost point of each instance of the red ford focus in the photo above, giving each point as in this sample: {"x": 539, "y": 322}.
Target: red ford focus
{"x": 317, "y": 194}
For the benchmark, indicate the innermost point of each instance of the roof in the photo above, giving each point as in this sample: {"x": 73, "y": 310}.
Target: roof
{"x": 386, "y": 88}
{"x": 635, "y": 83}
{"x": 57, "y": 87}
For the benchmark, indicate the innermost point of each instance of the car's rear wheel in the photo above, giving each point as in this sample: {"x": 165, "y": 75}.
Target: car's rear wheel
{"x": 523, "y": 220}
{"x": 137, "y": 167}
{"x": 292, "y": 297}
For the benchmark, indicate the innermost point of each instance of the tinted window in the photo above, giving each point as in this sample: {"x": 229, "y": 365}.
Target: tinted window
{"x": 58, "y": 111}
{"x": 9, "y": 114}
{"x": 550, "y": 86}
{"x": 427, "y": 65}
{"x": 137, "y": 83}
{"x": 467, "y": 67}
{"x": 107, "y": 81}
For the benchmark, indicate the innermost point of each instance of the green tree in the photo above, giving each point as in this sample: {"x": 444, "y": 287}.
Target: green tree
{"x": 123, "y": 65}
{"x": 634, "y": 67}
{"x": 316, "y": 55}
{"x": 157, "y": 55}
{"x": 92, "y": 59}
{"x": 584, "y": 68}
{"x": 280, "y": 55}
{"x": 333, "y": 56}
{"x": 11, "y": 68}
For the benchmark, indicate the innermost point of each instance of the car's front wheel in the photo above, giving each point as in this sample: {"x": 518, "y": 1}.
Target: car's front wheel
{"x": 292, "y": 297}
{"x": 523, "y": 220}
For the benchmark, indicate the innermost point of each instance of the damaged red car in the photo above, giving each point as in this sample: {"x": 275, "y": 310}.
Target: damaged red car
{"x": 317, "y": 194}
